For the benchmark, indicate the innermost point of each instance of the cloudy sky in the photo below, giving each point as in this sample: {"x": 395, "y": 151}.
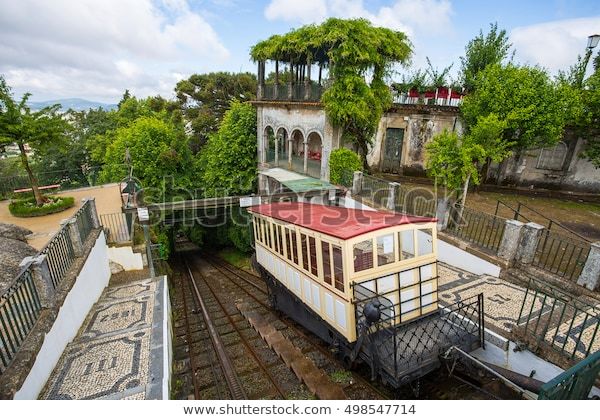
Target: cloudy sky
{"x": 95, "y": 49}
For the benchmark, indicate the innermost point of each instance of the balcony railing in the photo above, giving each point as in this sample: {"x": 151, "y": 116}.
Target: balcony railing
{"x": 440, "y": 97}
{"x": 298, "y": 93}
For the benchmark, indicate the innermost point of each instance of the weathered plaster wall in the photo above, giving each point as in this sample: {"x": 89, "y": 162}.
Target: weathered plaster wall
{"x": 420, "y": 125}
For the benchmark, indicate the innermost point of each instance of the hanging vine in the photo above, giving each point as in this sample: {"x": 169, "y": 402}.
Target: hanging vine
{"x": 358, "y": 57}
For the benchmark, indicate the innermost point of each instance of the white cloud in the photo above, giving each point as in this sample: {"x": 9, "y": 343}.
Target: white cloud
{"x": 410, "y": 16}
{"x": 553, "y": 45}
{"x": 305, "y": 11}
{"x": 96, "y": 48}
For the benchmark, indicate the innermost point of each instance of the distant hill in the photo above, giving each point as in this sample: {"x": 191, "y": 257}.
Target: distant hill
{"x": 76, "y": 104}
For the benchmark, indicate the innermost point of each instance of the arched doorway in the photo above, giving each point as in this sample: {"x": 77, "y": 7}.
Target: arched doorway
{"x": 297, "y": 156}
{"x": 268, "y": 145}
{"x": 314, "y": 154}
{"x": 282, "y": 146}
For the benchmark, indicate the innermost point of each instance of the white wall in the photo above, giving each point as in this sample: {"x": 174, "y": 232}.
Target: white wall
{"x": 456, "y": 257}
{"x": 126, "y": 258}
{"x": 88, "y": 287}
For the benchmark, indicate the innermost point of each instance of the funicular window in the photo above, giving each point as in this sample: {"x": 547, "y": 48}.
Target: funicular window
{"x": 254, "y": 228}
{"x": 276, "y": 244}
{"x": 304, "y": 243}
{"x": 425, "y": 241}
{"x": 385, "y": 249}
{"x": 259, "y": 227}
{"x": 279, "y": 238}
{"x": 363, "y": 255}
{"x": 268, "y": 233}
{"x": 326, "y": 262}
{"x": 407, "y": 244}
{"x": 338, "y": 268}
{"x": 288, "y": 244}
{"x": 294, "y": 246}
{"x": 313, "y": 255}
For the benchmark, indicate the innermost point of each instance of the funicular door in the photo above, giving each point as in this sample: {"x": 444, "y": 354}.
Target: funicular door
{"x": 394, "y": 137}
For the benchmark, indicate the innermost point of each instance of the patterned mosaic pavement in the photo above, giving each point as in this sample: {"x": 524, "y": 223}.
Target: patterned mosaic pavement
{"x": 117, "y": 354}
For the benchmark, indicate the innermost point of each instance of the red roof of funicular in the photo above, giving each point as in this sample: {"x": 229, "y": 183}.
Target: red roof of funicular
{"x": 340, "y": 222}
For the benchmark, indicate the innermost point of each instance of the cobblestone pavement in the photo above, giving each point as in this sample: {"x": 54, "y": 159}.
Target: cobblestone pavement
{"x": 574, "y": 332}
{"x": 116, "y": 354}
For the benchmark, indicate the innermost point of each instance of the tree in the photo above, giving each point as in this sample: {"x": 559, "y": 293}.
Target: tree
{"x": 27, "y": 129}
{"x": 456, "y": 161}
{"x": 590, "y": 119}
{"x": 158, "y": 151}
{"x": 228, "y": 160}
{"x": 204, "y": 98}
{"x": 524, "y": 98}
{"x": 358, "y": 56}
{"x": 482, "y": 51}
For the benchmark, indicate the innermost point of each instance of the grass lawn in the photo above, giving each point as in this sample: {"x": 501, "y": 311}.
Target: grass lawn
{"x": 582, "y": 217}
{"x": 236, "y": 258}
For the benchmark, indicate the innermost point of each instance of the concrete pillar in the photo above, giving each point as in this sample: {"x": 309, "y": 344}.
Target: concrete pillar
{"x": 357, "y": 182}
{"x": 261, "y": 80}
{"x": 305, "y": 144}
{"x": 276, "y": 150}
{"x": 93, "y": 212}
{"x": 290, "y": 83}
{"x": 392, "y": 191}
{"x": 276, "y": 87}
{"x": 40, "y": 274}
{"x": 509, "y": 243}
{"x": 289, "y": 152}
{"x": 532, "y": 232}
{"x": 590, "y": 275}
{"x": 442, "y": 213}
{"x": 307, "y": 82}
{"x": 71, "y": 227}
{"x": 325, "y": 152}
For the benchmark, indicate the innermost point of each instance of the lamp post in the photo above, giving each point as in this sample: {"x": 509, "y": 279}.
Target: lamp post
{"x": 592, "y": 43}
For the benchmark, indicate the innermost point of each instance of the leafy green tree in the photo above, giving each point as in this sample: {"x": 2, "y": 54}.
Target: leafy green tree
{"x": 358, "y": 56}
{"x": 158, "y": 151}
{"x": 204, "y": 98}
{"x": 228, "y": 160}
{"x": 482, "y": 51}
{"x": 456, "y": 161}
{"x": 524, "y": 99}
{"x": 29, "y": 129}
{"x": 590, "y": 119}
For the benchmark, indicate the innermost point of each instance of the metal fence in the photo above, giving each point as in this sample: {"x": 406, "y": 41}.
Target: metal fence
{"x": 300, "y": 92}
{"x": 574, "y": 383}
{"x": 117, "y": 227}
{"x": 374, "y": 190}
{"x": 561, "y": 323}
{"x": 483, "y": 229}
{"x": 562, "y": 255}
{"x": 416, "y": 201}
{"x": 19, "y": 310}
{"x": 20, "y": 303}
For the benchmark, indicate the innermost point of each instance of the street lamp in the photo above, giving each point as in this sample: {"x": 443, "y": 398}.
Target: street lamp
{"x": 592, "y": 43}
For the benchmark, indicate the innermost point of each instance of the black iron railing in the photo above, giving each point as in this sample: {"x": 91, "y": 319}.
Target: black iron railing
{"x": 483, "y": 229}
{"x": 19, "y": 310}
{"x": 416, "y": 201}
{"x": 562, "y": 255}
{"x": 403, "y": 350}
{"x": 299, "y": 93}
{"x": 20, "y": 303}
{"x": 568, "y": 326}
{"x": 117, "y": 227}
{"x": 374, "y": 190}
{"x": 60, "y": 255}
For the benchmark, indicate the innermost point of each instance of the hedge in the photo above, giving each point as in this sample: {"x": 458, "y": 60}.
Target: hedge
{"x": 342, "y": 164}
{"x": 28, "y": 208}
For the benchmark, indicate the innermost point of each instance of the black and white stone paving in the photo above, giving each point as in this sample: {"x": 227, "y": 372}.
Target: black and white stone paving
{"x": 117, "y": 354}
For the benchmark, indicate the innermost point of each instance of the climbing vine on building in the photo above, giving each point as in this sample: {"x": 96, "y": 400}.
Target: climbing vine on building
{"x": 358, "y": 58}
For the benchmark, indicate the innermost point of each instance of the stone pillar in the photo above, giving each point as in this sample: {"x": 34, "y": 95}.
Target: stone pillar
{"x": 357, "y": 182}
{"x": 305, "y": 167}
{"x": 290, "y": 83}
{"x": 509, "y": 243}
{"x": 40, "y": 274}
{"x": 261, "y": 80}
{"x": 289, "y": 152}
{"x": 442, "y": 213}
{"x": 590, "y": 275}
{"x": 528, "y": 243}
{"x": 307, "y": 82}
{"x": 276, "y": 150}
{"x": 71, "y": 227}
{"x": 392, "y": 191}
{"x": 276, "y": 87}
{"x": 93, "y": 213}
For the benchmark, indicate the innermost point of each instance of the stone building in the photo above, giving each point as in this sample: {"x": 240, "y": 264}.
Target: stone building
{"x": 293, "y": 132}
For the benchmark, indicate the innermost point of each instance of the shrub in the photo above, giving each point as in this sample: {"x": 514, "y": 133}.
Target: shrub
{"x": 28, "y": 208}
{"x": 342, "y": 164}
